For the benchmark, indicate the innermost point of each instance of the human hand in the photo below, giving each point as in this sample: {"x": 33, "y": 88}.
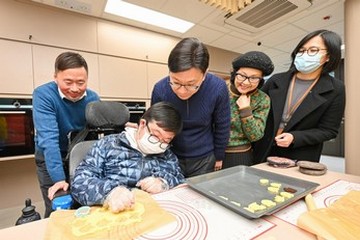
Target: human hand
{"x": 153, "y": 185}
{"x": 218, "y": 165}
{"x": 62, "y": 185}
{"x": 243, "y": 101}
{"x": 119, "y": 199}
{"x": 284, "y": 139}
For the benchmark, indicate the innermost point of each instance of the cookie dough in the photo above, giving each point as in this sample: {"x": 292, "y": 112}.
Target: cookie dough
{"x": 264, "y": 181}
{"x": 274, "y": 190}
{"x": 312, "y": 168}
{"x": 279, "y": 199}
{"x": 280, "y": 162}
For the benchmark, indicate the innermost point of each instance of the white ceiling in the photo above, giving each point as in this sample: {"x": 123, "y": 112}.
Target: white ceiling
{"x": 277, "y": 40}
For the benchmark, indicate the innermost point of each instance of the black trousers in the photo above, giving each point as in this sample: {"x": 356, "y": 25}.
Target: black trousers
{"x": 193, "y": 167}
{"x": 236, "y": 159}
{"x": 45, "y": 180}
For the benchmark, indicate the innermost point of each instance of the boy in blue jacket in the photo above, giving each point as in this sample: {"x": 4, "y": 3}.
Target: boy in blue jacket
{"x": 137, "y": 157}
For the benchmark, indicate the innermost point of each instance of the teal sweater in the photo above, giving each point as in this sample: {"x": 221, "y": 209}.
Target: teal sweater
{"x": 54, "y": 118}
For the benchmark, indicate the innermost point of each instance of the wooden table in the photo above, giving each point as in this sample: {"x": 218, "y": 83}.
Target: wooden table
{"x": 36, "y": 230}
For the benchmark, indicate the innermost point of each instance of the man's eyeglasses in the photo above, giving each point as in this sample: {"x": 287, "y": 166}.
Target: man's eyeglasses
{"x": 310, "y": 51}
{"x": 189, "y": 88}
{"x": 241, "y": 78}
{"x": 154, "y": 139}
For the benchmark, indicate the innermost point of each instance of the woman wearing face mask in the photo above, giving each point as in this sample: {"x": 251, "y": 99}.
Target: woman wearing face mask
{"x": 137, "y": 157}
{"x": 307, "y": 103}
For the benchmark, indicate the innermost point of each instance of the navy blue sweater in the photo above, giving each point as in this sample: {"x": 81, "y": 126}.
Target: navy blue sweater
{"x": 205, "y": 115}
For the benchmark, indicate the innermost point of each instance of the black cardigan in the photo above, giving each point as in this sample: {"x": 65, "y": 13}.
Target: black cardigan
{"x": 315, "y": 121}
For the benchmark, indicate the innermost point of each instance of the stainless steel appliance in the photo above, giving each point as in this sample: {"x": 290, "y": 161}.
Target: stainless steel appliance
{"x": 16, "y": 127}
{"x": 136, "y": 109}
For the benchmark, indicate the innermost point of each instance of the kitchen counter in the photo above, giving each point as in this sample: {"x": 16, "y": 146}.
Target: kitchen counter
{"x": 36, "y": 230}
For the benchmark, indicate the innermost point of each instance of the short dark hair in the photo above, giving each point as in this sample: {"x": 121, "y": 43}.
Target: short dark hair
{"x": 189, "y": 53}
{"x": 332, "y": 42}
{"x": 68, "y": 60}
{"x": 165, "y": 115}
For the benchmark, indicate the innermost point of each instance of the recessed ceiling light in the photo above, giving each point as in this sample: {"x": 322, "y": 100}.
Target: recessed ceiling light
{"x": 145, "y": 15}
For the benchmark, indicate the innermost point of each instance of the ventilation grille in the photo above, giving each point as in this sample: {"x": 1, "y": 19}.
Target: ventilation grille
{"x": 261, "y": 14}
{"x": 266, "y": 12}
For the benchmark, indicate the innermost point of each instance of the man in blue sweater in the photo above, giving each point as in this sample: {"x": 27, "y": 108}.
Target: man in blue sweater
{"x": 59, "y": 108}
{"x": 203, "y": 102}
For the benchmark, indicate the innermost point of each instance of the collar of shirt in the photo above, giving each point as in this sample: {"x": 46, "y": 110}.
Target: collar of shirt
{"x": 64, "y": 97}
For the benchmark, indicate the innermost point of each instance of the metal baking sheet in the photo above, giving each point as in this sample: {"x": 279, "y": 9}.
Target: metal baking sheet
{"x": 241, "y": 184}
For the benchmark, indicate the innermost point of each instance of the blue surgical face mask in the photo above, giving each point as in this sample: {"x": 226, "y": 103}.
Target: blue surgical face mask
{"x": 307, "y": 64}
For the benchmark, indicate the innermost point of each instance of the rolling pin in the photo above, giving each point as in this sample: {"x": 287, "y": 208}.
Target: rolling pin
{"x": 310, "y": 204}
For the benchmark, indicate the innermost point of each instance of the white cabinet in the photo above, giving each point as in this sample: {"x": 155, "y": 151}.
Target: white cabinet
{"x": 124, "y": 41}
{"x": 65, "y": 30}
{"x": 155, "y": 72}
{"x": 121, "y": 40}
{"x": 15, "y": 68}
{"x": 44, "y": 66}
{"x": 122, "y": 78}
{"x": 159, "y": 47}
{"x": 19, "y": 20}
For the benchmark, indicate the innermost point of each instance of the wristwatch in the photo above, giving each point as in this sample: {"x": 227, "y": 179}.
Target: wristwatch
{"x": 164, "y": 185}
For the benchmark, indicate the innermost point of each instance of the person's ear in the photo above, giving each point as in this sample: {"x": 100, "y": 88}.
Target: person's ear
{"x": 142, "y": 122}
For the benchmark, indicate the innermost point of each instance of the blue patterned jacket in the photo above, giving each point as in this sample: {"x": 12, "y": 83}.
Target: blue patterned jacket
{"x": 113, "y": 162}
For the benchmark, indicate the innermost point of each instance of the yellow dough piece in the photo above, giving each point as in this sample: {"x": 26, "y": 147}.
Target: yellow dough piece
{"x": 254, "y": 207}
{"x": 102, "y": 219}
{"x": 268, "y": 203}
{"x": 236, "y": 203}
{"x": 276, "y": 185}
{"x": 287, "y": 195}
{"x": 279, "y": 199}
{"x": 264, "y": 181}
{"x": 223, "y": 197}
{"x": 273, "y": 190}
{"x": 249, "y": 209}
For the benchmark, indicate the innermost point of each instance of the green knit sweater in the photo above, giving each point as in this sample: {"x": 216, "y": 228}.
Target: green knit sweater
{"x": 247, "y": 125}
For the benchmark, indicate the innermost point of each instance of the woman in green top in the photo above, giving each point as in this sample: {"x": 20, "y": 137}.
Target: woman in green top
{"x": 249, "y": 106}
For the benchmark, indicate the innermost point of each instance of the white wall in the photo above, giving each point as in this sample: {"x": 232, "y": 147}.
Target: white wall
{"x": 124, "y": 63}
{"x": 352, "y": 84}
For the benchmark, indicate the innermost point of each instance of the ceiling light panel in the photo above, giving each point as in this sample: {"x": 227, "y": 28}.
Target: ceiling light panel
{"x": 148, "y": 16}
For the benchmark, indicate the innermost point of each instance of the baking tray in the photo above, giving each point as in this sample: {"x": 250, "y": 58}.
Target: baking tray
{"x": 241, "y": 184}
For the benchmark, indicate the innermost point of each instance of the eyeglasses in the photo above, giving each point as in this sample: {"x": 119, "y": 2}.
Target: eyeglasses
{"x": 241, "y": 78}
{"x": 189, "y": 88}
{"x": 154, "y": 139}
{"x": 310, "y": 51}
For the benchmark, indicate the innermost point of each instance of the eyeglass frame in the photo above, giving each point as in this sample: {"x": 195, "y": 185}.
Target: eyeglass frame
{"x": 177, "y": 86}
{"x": 154, "y": 139}
{"x": 251, "y": 79}
{"x": 302, "y": 51}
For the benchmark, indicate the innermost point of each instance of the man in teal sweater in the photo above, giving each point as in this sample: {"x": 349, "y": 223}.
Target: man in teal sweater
{"x": 59, "y": 108}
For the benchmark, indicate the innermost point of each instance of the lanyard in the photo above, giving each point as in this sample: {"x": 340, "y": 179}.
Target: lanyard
{"x": 291, "y": 109}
